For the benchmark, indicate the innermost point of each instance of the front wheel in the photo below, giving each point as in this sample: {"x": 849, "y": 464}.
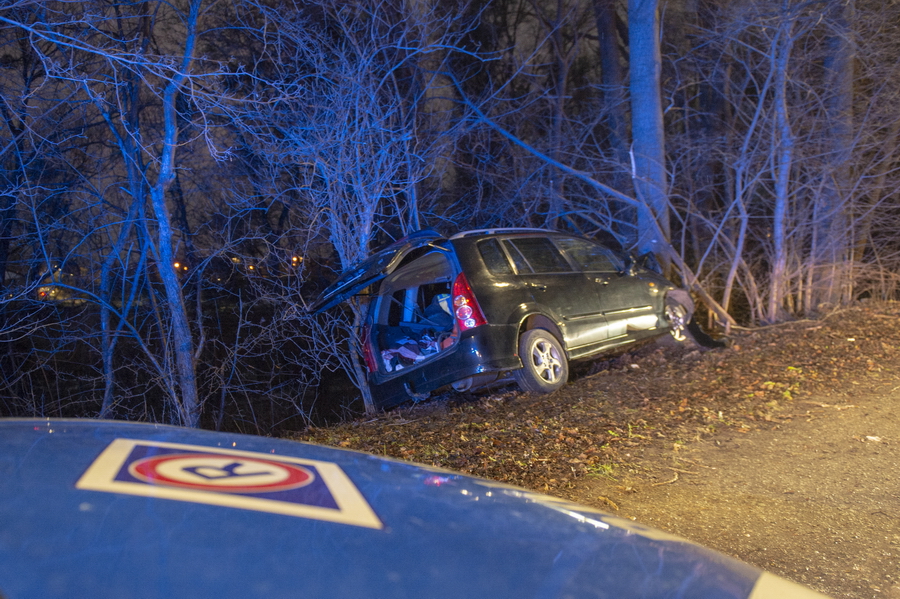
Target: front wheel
{"x": 678, "y": 318}
{"x": 544, "y": 365}
{"x": 679, "y": 310}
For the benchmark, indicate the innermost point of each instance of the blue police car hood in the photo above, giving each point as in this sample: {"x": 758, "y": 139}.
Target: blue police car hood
{"x": 107, "y": 509}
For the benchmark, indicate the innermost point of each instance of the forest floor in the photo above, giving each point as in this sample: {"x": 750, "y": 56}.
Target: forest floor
{"x": 782, "y": 450}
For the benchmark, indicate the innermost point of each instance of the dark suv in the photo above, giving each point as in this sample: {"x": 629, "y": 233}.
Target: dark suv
{"x": 469, "y": 310}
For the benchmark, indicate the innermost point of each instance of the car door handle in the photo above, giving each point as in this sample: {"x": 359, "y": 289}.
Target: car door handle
{"x": 536, "y": 286}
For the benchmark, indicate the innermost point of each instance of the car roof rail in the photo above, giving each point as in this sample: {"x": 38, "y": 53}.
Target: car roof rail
{"x": 501, "y": 230}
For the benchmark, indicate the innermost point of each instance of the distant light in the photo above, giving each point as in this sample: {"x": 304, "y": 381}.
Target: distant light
{"x": 178, "y": 265}
{"x": 250, "y": 267}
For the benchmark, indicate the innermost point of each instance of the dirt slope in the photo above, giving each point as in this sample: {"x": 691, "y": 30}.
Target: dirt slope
{"x": 814, "y": 499}
{"x": 781, "y": 450}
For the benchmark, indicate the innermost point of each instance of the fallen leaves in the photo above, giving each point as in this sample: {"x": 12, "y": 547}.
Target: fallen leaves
{"x": 675, "y": 394}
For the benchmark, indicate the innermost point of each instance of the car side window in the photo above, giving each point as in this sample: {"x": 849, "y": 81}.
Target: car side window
{"x": 494, "y": 258}
{"x": 590, "y": 256}
{"x": 516, "y": 256}
{"x": 536, "y": 254}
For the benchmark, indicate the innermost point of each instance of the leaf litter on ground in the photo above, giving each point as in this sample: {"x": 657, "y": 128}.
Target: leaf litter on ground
{"x": 659, "y": 392}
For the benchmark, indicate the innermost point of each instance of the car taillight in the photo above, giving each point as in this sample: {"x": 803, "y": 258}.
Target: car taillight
{"x": 465, "y": 307}
{"x": 364, "y": 341}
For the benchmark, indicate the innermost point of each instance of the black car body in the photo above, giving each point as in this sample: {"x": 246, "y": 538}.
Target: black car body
{"x": 472, "y": 308}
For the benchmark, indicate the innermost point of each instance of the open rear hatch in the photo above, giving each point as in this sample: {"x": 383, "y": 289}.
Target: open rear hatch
{"x": 372, "y": 269}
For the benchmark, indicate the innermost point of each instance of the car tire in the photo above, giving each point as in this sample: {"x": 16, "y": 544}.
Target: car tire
{"x": 678, "y": 319}
{"x": 679, "y": 310}
{"x": 544, "y": 365}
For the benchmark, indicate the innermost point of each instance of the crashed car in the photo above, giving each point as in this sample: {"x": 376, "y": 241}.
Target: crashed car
{"x": 471, "y": 309}
{"x": 112, "y": 510}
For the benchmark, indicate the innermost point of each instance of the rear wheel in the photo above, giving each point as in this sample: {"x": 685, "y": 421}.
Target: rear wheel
{"x": 544, "y": 365}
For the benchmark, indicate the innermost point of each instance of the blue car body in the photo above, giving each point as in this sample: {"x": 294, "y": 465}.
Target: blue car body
{"x": 101, "y": 509}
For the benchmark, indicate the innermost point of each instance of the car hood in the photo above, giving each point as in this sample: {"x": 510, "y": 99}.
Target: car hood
{"x": 375, "y": 267}
{"x": 105, "y": 509}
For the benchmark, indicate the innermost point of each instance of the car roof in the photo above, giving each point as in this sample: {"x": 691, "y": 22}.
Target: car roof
{"x": 384, "y": 261}
{"x": 499, "y": 231}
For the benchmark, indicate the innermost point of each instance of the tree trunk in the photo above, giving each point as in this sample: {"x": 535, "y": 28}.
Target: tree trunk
{"x": 357, "y": 363}
{"x": 784, "y": 153}
{"x": 109, "y": 337}
{"x": 614, "y": 87}
{"x": 648, "y": 147}
{"x": 188, "y": 403}
{"x": 830, "y": 268}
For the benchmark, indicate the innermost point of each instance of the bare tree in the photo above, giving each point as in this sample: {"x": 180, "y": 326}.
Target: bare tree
{"x": 800, "y": 145}
{"x": 648, "y": 134}
{"x": 132, "y": 77}
{"x": 360, "y": 129}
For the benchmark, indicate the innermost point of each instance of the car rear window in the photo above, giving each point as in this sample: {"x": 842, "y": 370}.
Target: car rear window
{"x": 536, "y": 254}
{"x": 494, "y": 258}
{"x": 590, "y": 256}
